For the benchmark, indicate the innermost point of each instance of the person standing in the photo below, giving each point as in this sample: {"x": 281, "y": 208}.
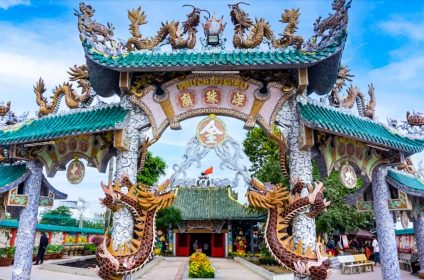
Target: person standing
{"x": 376, "y": 251}
{"x": 44, "y": 241}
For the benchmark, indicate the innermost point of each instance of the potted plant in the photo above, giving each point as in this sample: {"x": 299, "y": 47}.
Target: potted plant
{"x": 54, "y": 251}
{"x": 89, "y": 249}
{"x": 158, "y": 248}
{"x": 199, "y": 266}
{"x": 6, "y": 256}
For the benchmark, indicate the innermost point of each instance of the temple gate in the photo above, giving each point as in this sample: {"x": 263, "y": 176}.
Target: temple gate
{"x": 269, "y": 87}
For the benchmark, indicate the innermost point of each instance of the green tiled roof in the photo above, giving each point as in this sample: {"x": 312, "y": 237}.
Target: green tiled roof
{"x": 339, "y": 122}
{"x": 11, "y": 173}
{"x": 190, "y": 58}
{"x": 404, "y": 231}
{"x": 59, "y": 125}
{"x": 212, "y": 204}
{"x": 406, "y": 180}
{"x": 47, "y": 227}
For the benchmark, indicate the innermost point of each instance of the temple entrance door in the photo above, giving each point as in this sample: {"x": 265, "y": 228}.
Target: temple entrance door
{"x": 183, "y": 244}
{"x": 218, "y": 245}
{"x": 204, "y": 242}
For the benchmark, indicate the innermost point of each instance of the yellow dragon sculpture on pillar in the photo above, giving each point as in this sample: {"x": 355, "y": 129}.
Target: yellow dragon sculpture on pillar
{"x": 143, "y": 203}
{"x": 73, "y": 99}
{"x": 282, "y": 208}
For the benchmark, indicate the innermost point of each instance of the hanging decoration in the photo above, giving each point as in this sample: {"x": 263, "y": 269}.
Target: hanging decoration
{"x": 211, "y": 132}
{"x": 348, "y": 176}
{"x": 75, "y": 172}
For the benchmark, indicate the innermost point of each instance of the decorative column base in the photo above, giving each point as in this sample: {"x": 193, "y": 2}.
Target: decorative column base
{"x": 385, "y": 226}
{"x": 27, "y": 223}
{"x": 419, "y": 235}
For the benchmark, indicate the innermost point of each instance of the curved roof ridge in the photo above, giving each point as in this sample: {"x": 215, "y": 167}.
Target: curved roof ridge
{"x": 340, "y": 122}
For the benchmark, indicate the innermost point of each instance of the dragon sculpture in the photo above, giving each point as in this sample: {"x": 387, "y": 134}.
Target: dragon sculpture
{"x": 354, "y": 95}
{"x": 117, "y": 260}
{"x": 169, "y": 30}
{"x": 282, "y": 208}
{"x": 407, "y": 166}
{"x": 330, "y": 29}
{"x": 4, "y": 109}
{"x": 90, "y": 29}
{"x": 291, "y": 17}
{"x": 261, "y": 30}
{"x": 73, "y": 99}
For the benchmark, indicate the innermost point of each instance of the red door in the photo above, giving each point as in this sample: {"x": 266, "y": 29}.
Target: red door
{"x": 218, "y": 245}
{"x": 183, "y": 244}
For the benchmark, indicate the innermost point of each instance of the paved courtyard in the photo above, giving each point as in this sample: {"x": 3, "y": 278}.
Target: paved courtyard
{"x": 173, "y": 269}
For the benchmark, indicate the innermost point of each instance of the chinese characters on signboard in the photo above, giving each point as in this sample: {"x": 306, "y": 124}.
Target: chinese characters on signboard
{"x": 186, "y": 99}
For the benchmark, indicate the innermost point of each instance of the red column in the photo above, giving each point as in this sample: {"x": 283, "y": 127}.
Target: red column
{"x": 12, "y": 240}
{"x": 50, "y": 237}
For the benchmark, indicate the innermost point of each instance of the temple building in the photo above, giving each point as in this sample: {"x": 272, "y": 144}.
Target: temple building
{"x": 12, "y": 186}
{"x": 264, "y": 81}
{"x": 216, "y": 220}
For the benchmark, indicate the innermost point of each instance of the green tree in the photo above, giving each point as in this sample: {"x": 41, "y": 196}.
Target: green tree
{"x": 168, "y": 216}
{"x": 62, "y": 216}
{"x": 263, "y": 154}
{"x": 340, "y": 216}
{"x": 154, "y": 167}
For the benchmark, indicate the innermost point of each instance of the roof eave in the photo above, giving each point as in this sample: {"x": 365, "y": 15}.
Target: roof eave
{"x": 316, "y": 127}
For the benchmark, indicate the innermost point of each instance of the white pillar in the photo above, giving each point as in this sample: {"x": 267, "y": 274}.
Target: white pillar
{"x": 385, "y": 226}
{"x": 126, "y": 164}
{"x": 419, "y": 237}
{"x": 27, "y": 223}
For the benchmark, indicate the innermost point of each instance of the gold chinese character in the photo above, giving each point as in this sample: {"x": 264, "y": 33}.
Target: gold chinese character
{"x": 238, "y": 99}
{"x": 186, "y": 100}
{"x": 212, "y": 97}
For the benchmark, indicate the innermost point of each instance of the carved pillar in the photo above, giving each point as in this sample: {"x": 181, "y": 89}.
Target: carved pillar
{"x": 300, "y": 167}
{"x": 126, "y": 161}
{"x": 419, "y": 237}
{"x": 126, "y": 164}
{"x": 385, "y": 226}
{"x": 27, "y": 223}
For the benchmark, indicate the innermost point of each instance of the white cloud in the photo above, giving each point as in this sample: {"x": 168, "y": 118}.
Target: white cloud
{"x": 6, "y": 4}
{"x": 403, "y": 27}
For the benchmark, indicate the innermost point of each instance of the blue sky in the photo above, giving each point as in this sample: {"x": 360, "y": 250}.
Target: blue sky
{"x": 40, "y": 38}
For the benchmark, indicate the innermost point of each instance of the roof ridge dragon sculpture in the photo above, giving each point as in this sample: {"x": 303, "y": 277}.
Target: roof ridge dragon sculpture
{"x": 354, "y": 95}
{"x": 282, "y": 208}
{"x": 73, "y": 99}
{"x": 92, "y": 30}
{"x": 330, "y": 29}
{"x": 169, "y": 30}
{"x": 143, "y": 203}
{"x": 261, "y": 30}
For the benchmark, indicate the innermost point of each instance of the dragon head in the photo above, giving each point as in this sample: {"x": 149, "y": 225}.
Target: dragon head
{"x": 124, "y": 193}
{"x": 193, "y": 18}
{"x": 266, "y": 195}
{"x": 86, "y": 10}
{"x": 290, "y": 15}
{"x": 239, "y": 17}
